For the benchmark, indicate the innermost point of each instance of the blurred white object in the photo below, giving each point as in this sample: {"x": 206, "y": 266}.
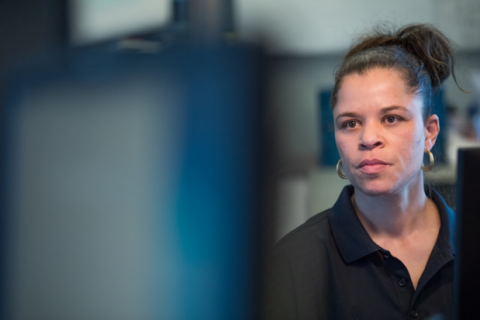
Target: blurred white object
{"x": 309, "y": 27}
{"x": 455, "y": 142}
{"x": 313, "y": 27}
{"x": 99, "y": 20}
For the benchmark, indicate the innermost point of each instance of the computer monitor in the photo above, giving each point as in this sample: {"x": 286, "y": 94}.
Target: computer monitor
{"x": 467, "y": 260}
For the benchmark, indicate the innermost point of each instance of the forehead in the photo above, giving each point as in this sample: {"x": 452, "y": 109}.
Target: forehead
{"x": 375, "y": 89}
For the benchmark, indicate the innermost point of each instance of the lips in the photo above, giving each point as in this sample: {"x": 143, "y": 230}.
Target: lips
{"x": 372, "y": 166}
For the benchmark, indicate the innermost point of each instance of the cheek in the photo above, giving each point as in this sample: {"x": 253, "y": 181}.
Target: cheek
{"x": 420, "y": 137}
{"x": 412, "y": 145}
{"x": 346, "y": 149}
{"x": 342, "y": 146}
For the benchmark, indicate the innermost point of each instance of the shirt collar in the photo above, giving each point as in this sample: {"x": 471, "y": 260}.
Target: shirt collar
{"x": 351, "y": 238}
{"x": 354, "y": 242}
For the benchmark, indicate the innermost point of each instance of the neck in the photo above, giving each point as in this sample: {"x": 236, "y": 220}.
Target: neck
{"x": 395, "y": 215}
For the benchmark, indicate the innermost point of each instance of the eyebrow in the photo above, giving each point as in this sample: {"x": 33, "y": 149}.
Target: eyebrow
{"x": 388, "y": 109}
{"x": 382, "y": 111}
{"x": 347, "y": 114}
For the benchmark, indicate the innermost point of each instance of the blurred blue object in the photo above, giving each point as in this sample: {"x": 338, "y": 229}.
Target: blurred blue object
{"x": 131, "y": 186}
{"x": 438, "y": 108}
{"x": 329, "y": 155}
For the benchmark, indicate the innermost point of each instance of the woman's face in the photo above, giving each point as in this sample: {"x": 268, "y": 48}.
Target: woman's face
{"x": 380, "y": 132}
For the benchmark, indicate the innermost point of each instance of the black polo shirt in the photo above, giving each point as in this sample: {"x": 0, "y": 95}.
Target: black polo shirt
{"x": 330, "y": 268}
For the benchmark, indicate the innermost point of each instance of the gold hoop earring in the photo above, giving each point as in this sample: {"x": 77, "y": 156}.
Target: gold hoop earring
{"x": 339, "y": 171}
{"x": 430, "y": 165}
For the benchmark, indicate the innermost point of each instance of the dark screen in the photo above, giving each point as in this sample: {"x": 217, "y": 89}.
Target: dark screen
{"x": 467, "y": 276}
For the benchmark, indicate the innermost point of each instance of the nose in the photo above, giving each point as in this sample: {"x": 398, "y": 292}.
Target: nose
{"x": 370, "y": 138}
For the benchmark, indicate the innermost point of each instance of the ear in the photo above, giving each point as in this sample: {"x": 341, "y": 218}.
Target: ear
{"x": 432, "y": 128}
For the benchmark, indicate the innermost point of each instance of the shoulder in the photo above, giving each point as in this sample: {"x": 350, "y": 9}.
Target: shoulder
{"x": 309, "y": 243}
{"x": 297, "y": 271}
{"x": 315, "y": 237}
{"x": 314, "y": 228}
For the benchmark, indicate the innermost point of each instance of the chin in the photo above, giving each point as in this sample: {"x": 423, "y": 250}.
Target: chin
{"x": 386, "y": 185}
{"x": 375, "y": 188}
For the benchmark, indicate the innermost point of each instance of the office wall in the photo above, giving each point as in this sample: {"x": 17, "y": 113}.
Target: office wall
{"x": 309, "y": 27}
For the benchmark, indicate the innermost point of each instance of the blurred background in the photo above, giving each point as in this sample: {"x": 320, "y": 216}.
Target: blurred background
{"x": 151, "y": 149}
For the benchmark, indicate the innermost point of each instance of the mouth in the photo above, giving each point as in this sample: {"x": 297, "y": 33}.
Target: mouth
{"x": 372, "y": 166}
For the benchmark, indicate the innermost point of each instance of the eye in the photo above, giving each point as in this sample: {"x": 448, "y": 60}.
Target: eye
{"x": 391, "y": 119}
{"x": 350, "y": 124}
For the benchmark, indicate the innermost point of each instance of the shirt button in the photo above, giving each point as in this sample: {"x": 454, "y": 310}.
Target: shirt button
{"x": 414, "y": 314}
{"x": 402, "y": 282}
{"x": 386, "y": 256}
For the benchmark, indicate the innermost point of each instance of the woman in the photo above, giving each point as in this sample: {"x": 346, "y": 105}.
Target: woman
{"x": 383, "y": 251}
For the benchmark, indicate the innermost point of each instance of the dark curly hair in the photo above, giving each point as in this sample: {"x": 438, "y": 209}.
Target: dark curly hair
{"x": 423, "y": 55}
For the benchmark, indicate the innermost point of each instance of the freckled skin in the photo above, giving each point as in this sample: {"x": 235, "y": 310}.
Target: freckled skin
{"x": 397, "y": 136}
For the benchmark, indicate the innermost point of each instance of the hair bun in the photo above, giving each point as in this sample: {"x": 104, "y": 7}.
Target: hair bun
{"x": 431, "y": 47}
{"x": 427, "y": 43}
